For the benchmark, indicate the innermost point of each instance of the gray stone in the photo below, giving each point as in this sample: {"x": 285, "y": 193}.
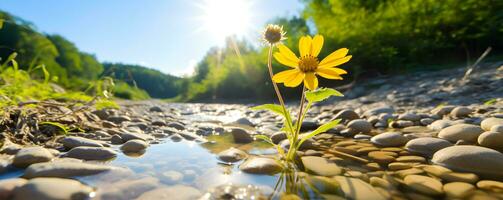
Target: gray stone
{"x": 232, "y": 155}
{"x": 389, "y": 139}
{"x": 442, "y": 110}
{"x": 497, "y": 128}
{"x": 133, "y": 146}
{"x": 426, "y": 121}
{"x": 116, "y": 139}
{"x": 118, "y": 119}
{"x": 260, "y": 165}
{"x": 7, "y": 186}
{"x": 409, "y": 117}
{"x": 401, "y": 124}
{"x": 126, "y": 136}
{"x": 31, "y": 155}
{"x": 91, "y": 153}
{"x": 155, "y": 109}
{"x": 176, "y": 125}
{"x": 278, "y": 137}
{"x": 241, "y": 135}
{"x": 360, "y": 126}
{"x": 244, "y": 121}
{"x": 52, "y": 189}
{"x": 379, "y": 110}
{"x": 346, "y": 115}
{"x": 467, "y": 158}
{"x": 466, "y": 132}
{"x": 491, "y": 139}
{"x": 488, "y": 123}
{"x": 320, "y": 166}
{"x": 441, "y": 124}
{"x": 427, "y": 146}
{"x": 63, "y": 169}
{"x": 72, "y": 141}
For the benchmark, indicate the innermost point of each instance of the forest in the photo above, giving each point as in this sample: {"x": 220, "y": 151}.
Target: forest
{"x": 384, "y": 37}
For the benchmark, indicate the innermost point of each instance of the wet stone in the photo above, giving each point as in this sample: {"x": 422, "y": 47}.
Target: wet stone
{"x": 71, "y": 142}
{"x": 427, "y": 146}
{"x": 491, "y": 139}
{"x": 389, "y": 139}
{"x": 488, "y": 123}
{"x": 320, "y": 166}
{"x": 133, "y": 146}
{"x": 466, "y": 132}
{"x": 424, "y": 184}
{"x": 260, "y": 165}
{"x": 31, "y": 155}
{"x": 51, "y": 189}
{"x": 232, "y": 155}
{"x": 360, "y": 126}
{"x": 458, "y": 189}
{"x": 7, "y": 186}
{"x": 63, "y": 169}
{"x": 91, "y": 153}
{"x": 354, "y": 188}
{"x": 241, "y": 135}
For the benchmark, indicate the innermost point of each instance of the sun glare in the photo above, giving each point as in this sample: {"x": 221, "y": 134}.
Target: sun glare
{"x": 226, "y": 17}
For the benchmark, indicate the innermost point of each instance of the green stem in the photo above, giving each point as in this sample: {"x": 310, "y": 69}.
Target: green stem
{"x": 278, "y": 93}
{"x": 293, "y": 143}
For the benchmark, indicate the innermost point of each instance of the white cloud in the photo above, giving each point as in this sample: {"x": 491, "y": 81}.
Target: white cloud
{"x": 187, "y": 70}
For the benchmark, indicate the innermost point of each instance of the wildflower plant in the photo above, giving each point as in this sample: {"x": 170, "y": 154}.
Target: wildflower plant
{"x": 304, "y": 69}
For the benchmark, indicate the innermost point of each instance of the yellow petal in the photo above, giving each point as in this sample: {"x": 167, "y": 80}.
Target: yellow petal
{"x": 285, "y": 61}
{"x": 330, "y": 73}
{"x": 295, "y": 81}
{"x": 284, "y": 75}
{"x": 340, "y": 53}
{"x": 311, "y": 82}
{"x": 287, "y": 53}
{"x": 317, "y": 45}
{"x": 334, "y": 63}
{"x": 305, "y": 45}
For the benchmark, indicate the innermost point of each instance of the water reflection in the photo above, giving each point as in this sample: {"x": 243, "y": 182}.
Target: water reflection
{"x": 294, "y": 184}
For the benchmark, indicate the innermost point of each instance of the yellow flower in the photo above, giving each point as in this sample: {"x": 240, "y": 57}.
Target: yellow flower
{"x": 306, "y": 67}
{"x": 273, "y": 34}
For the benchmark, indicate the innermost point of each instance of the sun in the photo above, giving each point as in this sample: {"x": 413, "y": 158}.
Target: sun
{"x": 225, "y": 18}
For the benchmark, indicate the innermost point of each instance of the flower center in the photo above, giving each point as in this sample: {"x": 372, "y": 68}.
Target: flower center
{"x": 308, "y": 63}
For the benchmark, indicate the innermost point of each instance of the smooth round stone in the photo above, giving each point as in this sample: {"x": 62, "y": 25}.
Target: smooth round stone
{"x": 176, "y": 125}
{"x": 442, "y": 110}
{"x": 409, "y": 117}
{"x": 381, "y": 157}
{"x": 436, "y": 170}
{"x": 232, "y": 155}
{"x": 488, "y": 123}
{"x": 260, "y": 165}
{"x": 417, "y": 159}
{"x": 320, "y": 166}
{"x": 91, "y": 153}
{"x": 426, "y": 121}
{"x": 401, "y": 124}
{"x": 31, "y": 155}
{"x": 441, "y": 124}
{"x": 52, "y": 189}
{"x": 133, "y": 146}
{"x": 354, "y": 188}
{"x": 7, "y": 186}
{"x": 491, "y": 139}
{"x": 179, "y": 192}
{"x": 467, "y": 158}
{"x": 241, "y": 135}
{"x": 71, "y": 142}
{"x": 379, "y": 110}
{"x": 346, "y": 115}
{"x": 490, "y": 185}
{"x": 461, "y": 111}
{"x": 497, "y": 128}
{"x": 244, "y": 121}
{"x": 400, "y": 166}
{"x": 460, "y": 177}
{"x": 63, "y": 169}
{"x": 427, "y": 145}
{"x": 126, "y": 136}
{"x": 380, "y": 182}
{"x": 424, "y": 184}
{"x": 278, "y": 137}
{"x": 362, "y": 137}
{"x": 389, "y": 139}
{"x": 360, "y": 126}
{"x": 466, "y": 132}
{"x": 458, "y": 189}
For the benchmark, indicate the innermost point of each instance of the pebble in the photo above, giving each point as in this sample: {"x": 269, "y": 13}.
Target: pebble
{"x": 424, "y": 184}
{"x": 459, "y": 177}
{"x": 126, "y": 136}
{"x": 436, "y": 170}
{"x": 496, "y": 186}
{"x": 461, "y": 112}
{"x": 260, "y": 165}
{"x": 320, "y": 166}
{"x": 488, "y": 123}
{"x": 72, "y": 142}
{"x": 232, "y": 155}
{"x": 426, "y": 121}
{"x": 441, "y": 124}
{"x": 52, "y": 189}
{"x": 409, "y": 117}
{"x": 401, "y": 124}
{"x": 7, "y": 186}
{"x": 116, "y": 139}
{"x": 64, "y": 169}
{"x": 354, "y": 188}
{"x": 278, "y": 137}
{"x": 134, "y": 146}
{"x": 176, "y": 125}
{"x": 458, "y": 189}
{"x": 178, "y": 192}
{"x": 91, "y": 153}
{"x": 241, "y": 135}
{"x": 466, "y": 132}
{"x": 491, "y": 139}
{"x": 389, "y": 139}
{"x": 475, "y": 159}
{"x": 346, "y": 115}
{"x": 378, "y": 110}
{"x": 31, "y": 155}
{"x": 380, "y": 182}
{"x": 427, "y": 145}
{"x": 360, "y": 126}
{"x": 400, "y": 166}
{"x": 497, "y": 128}
{"x": 413, "y": 159}
{"x": 381, "y": 157}
{"x": 442, "y": 110}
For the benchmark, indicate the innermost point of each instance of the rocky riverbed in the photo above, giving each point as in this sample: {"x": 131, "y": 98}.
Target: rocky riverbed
{"x": 423, "y": 136}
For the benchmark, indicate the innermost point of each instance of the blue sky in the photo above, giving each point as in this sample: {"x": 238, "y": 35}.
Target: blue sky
{"x": 169, "y": 35}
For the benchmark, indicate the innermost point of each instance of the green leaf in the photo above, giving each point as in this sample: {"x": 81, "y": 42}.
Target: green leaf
{"x": 265, "y": 138}
{"x": 321, "y": 129}
{"x": 61, "y": 129}
{"x": 273, "y": 108}
{"x": 322, "y": 94}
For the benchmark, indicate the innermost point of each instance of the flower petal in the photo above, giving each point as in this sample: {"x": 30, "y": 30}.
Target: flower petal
{"x": 285, "y": 61}
{"x": 334, "y": 63}
{"x": 330, "y": 73}
{"x": 317, "y": 45}
{"x": 305, "y": 45}
{"x": 287, "y": 53}
{"x": 340, "y": 53}
{"x": 295, "y": 81}
{"x": 311, "y": 82}
{"x": 285, "y": 75}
